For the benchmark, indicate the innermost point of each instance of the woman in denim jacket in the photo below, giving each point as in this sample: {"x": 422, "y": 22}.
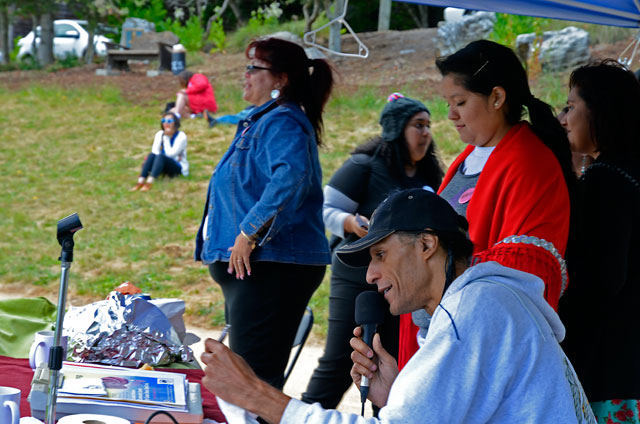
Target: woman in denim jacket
{"x": 262, "y": 234}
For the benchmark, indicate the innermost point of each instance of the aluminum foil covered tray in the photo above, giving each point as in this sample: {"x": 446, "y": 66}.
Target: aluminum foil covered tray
{"x": 123, "y": 330}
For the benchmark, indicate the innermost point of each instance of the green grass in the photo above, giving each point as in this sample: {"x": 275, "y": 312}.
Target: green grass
{"x": 68, "y": 150}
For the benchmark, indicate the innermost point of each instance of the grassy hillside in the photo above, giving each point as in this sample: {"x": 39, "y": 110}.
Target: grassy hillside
{"x": 79, "y": 149}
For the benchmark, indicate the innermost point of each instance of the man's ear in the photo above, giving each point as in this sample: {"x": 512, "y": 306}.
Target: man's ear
{"x": 429, "y": 244}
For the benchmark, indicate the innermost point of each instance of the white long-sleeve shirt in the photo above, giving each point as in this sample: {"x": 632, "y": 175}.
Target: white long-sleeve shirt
{"x": 177, "y": 152}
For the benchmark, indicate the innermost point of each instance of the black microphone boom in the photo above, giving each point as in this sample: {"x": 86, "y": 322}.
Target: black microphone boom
{"x": 370, "y": 307}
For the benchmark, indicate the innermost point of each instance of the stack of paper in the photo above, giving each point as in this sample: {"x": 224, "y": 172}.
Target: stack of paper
{"x": 132, "y": 394}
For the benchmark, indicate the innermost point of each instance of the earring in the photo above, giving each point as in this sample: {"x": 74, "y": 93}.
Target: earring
{"x": 275, "y": 93}
{"x": 496, "y": 104}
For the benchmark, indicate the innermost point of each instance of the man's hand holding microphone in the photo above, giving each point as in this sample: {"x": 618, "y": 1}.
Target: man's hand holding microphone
{"x": 374, "y": 369}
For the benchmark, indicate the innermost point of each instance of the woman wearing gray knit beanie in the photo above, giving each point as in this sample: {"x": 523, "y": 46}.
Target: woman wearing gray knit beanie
{"x": 403, "y": 156}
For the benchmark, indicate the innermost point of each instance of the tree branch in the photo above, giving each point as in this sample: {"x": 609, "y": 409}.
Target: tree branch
{"x": 212, "y": 19}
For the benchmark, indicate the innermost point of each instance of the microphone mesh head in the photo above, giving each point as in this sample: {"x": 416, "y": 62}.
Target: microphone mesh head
{"x": 370, "y": 308}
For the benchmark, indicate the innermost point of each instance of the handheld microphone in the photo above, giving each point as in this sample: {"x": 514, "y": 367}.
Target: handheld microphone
{"x": 370, "y": 307}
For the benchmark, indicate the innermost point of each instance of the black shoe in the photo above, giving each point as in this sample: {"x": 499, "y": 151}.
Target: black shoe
{"x": 212, "y": 121}
{"x": 168, "y": 107}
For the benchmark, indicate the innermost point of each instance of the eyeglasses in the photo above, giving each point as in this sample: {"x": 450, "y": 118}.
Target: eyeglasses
{"x": 252, "y": 69}
{"x": 167, "y": 120}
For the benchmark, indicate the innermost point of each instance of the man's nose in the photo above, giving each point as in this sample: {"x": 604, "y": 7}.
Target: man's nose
{"x": 372, "y": 275}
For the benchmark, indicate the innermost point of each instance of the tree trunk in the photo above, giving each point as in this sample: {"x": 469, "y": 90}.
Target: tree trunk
{"x": 334, "y": 29}
{"x": 35, "y": 22}
{"x": 212, "y": 19}
{"x": 4, "y": 34}
{"x": 45, "y": 54}
{"x": 310, "y": 18}
{"x": 12, "y": 11}
{"x": 384, "y": 15}
{"x": 423, "y": 12}
{"x": 434, "y": 15}
{"x": 89, "y": 54}
{"x": 418, "y": 14}
{"x": 237, "y": 12}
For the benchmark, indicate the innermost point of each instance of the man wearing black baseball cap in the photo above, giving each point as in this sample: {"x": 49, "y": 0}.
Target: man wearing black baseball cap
{"x": 491, "y": 354}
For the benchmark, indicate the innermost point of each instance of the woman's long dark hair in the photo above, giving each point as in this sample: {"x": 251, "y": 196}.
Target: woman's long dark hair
{"x": 483, "y": 65}
{"x": 309, "y": 80}
{"x": 396, "y": 155}
{"x": 612, "y": 95}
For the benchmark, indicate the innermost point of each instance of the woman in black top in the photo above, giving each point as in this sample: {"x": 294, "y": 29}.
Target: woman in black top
{"x": 600, "y": 307}
{"x": 403, "y": 156}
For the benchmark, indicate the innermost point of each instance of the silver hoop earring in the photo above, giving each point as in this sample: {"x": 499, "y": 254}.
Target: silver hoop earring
{"x": 275, "y": 93}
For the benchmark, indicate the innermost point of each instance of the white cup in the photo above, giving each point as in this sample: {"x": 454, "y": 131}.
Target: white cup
{"x": 40, "y": 348}
{"x": 9, "y": 405}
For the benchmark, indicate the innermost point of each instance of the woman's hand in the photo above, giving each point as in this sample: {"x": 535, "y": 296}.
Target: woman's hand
{"x": 239, "y": 260}
{"x": 351, "y": 225}
{"x": 377, "y": 365}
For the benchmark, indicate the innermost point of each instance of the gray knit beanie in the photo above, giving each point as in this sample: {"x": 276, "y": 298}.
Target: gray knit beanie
{"x": 396, "y": 114}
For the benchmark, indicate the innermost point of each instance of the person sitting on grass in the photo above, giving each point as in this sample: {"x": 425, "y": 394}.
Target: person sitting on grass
{"x": 491, "y": 354}
{"x": 195, "y": 97}
{"x": 168, "y": 154}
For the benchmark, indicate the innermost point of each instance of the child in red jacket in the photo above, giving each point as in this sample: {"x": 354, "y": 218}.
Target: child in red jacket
{"x": 195, "y": 96}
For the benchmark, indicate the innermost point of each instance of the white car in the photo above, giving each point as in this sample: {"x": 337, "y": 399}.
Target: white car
{"x": 70, "y": 38}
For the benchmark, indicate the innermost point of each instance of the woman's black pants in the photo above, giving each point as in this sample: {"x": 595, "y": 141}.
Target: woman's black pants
{"x": 160, "y": 164}
{"x": 264, "y": 311}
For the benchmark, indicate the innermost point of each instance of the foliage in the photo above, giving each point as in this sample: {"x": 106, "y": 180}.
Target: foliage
{"x": 508, "y": 27}
{"x": 69, "y": 61}
{"x": 217, "y": 35}
{"x": 150, "y": 10}
{"x": 239, "y": 39}
{"x": 13, "y": 56}
{"x": 189, "y": 33}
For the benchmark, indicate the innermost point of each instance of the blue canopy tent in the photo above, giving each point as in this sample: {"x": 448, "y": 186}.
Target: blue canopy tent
{"x": 623, "y": 13}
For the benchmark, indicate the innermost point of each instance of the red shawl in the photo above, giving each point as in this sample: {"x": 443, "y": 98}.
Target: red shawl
{"x": 520, "y": 191}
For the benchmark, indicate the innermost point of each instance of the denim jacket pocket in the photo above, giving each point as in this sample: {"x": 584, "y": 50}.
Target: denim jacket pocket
{"x": 242, "y": 148}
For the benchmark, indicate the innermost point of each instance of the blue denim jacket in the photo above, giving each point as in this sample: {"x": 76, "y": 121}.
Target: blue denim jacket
{"x": 270, "y": 172}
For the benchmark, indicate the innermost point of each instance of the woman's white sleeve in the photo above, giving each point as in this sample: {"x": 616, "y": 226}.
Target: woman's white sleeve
{"x": 157, "y": 143}
{"x": 335, "y": 209}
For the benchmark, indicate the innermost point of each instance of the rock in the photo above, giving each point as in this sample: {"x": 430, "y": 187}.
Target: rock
{"x": 558, "y": 50}
{"x": 149, "y": 40}
{"x": 452, "y": 14}
{"x": 452, "y": 36}
{"x": 314, "y": 53}
{"x": 288, "y": 36}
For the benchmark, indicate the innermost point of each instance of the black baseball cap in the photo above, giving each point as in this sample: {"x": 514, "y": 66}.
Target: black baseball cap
{"x": 407, "y": 210}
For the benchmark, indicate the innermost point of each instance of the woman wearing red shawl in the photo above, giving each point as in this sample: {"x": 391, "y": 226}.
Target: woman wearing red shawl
{"x": 512, "y": 181}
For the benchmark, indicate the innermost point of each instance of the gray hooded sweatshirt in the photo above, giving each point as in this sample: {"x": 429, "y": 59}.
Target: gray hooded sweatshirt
{"x": 491, "y": 355}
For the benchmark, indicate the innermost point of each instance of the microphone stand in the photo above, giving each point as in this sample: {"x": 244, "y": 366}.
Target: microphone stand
{"x": 66, "y": 229}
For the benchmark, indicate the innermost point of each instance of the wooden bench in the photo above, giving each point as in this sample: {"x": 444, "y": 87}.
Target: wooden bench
{"x": 143, "y": 47}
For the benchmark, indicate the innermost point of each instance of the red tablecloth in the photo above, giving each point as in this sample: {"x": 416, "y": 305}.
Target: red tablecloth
{"x": 15, "y": 372}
